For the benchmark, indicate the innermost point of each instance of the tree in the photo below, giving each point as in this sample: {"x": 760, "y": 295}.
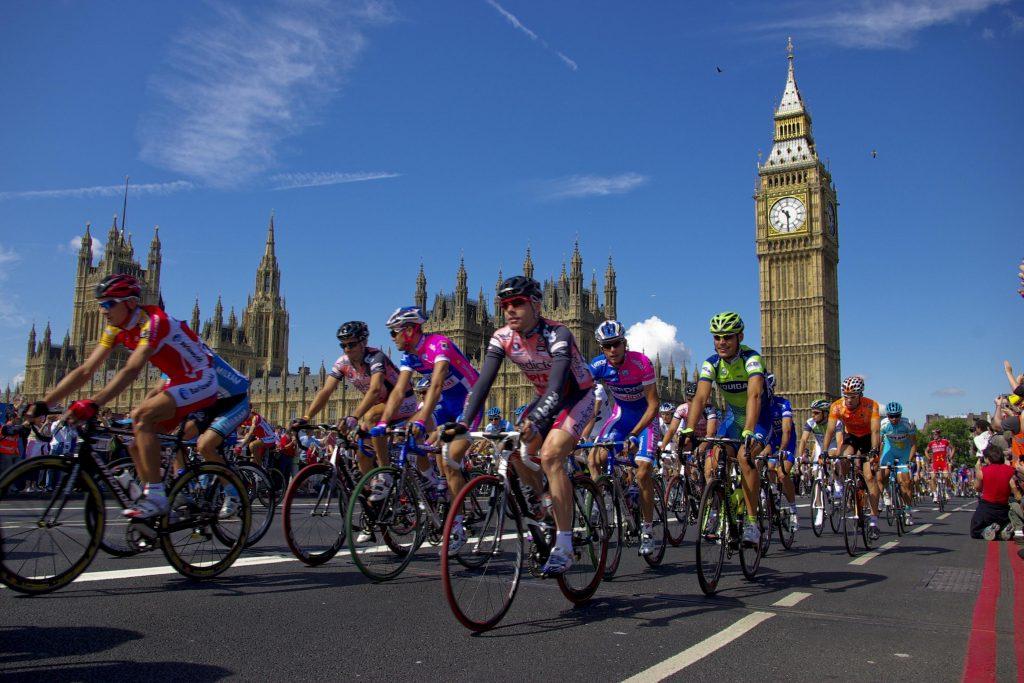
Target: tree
{"x": 957, "y": 430}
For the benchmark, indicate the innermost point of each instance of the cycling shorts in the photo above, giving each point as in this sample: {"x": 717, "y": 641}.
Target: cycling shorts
{"x": 895, "y": 458}
{"x": 190, "y": 395}
{"x": 621, "y": 423}
{"x": 860, "y": 444}
{"x": 576, "y": 412}
{"x": 225, "y": 416}
{"x": 407, "y": 408}
{"x": 940, "y": 466}
{"x": 791, "y": 458}
{"x": 732, "y": 427}
{"x": 449, "y": 407}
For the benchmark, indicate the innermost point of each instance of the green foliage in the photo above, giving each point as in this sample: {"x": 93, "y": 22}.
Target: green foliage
{"x": 957, "y": 430}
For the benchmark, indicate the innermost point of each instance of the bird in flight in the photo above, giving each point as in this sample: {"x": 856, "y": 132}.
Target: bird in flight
{"x": 718, "y": 69}
{"x": 874, "y": 154}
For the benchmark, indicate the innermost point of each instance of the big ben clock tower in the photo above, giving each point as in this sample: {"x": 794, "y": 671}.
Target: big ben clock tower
{"x": 798, "y": 253}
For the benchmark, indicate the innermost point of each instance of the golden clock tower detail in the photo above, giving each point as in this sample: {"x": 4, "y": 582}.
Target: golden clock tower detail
{"x": 797, "y": 254}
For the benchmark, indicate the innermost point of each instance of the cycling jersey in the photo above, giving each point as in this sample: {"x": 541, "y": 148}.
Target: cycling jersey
{"x": 435, "y": 348}
{"x": 628, "y": 384}
{"x": 780, "y": 409}
{"x": 732, "y": 377}
{"x": 500, "y": 426}
{"x": 682, "y": 412}
{"x": 375, "y": 362}
{"x": 230, "y": 382}
{"x": 939, "y": 449}
{"x": 896, "y": 442}
{"x": 817, "y": 430}
{"x": 857, "y": 421}
{"x": 261, "y": 429}
{"x": 602, "y": 408}
{"x": 551, "y": 361}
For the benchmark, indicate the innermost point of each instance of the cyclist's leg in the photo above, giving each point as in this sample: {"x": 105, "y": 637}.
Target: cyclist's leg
{"x": 644, "y": 460}
{"x": 558, "y": 444}
{"x": 788, "y": 486}
{"x": 873, "y": 491}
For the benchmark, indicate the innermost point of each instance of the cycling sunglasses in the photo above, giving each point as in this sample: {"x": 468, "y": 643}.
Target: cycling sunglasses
{"x": 110, "y": 303}
{"x": 723, "y": 337}
{"x": 515, "y": 301}
{"x": 350, "y": 345}
{"x": 611, "y": 345}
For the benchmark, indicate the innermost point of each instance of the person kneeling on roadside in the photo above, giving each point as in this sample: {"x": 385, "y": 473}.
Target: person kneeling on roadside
{"x": 992, "y": 518}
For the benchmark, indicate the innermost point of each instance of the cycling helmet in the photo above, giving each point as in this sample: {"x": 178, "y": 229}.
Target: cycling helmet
{"x": 354, "y": 329}
{"x": 493, "y": 412}
{"x": 520, "y": 285}
{"x": 691, "y": 389}
{"x": 422, "y": 384}
{"x": 666, "y": 407}
{"x": 854, "y": 384}
{"x": 893, "y": 409}
{"x": 821, "y": 405}
{"x": 769, "y": 383}
{"x": 520, "y": 411}
{"x": 406, "y": 315}
{"x": 609, "y": 331}
{"x": 118, "y": 286}
{"x": 726, "y": 322}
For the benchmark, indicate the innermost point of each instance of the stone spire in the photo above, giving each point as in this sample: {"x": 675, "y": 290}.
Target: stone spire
{"x": 195, "y": 316}
{"x": 85, "y": 251}
{"x": 610, "y": 291}
{"x": 461, "y": 290}
{"x": 218, "y": 315}
{"x": 595, "y": 307}
{"x": 421, "y": 289}
{"x": 528, "y": 264}
{"x": 32, "y": 340}
{"x": 268, "y": 275}
{"x": 46, "y": 337}
{"x": 791, "y": 102}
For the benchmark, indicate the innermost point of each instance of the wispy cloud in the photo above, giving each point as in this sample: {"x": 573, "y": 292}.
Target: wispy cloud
{"x": 1016, "y": 21}
{"x": 238, "y": 83}
{"x": 949, "y": 391}
{"x": 100, "y": 191}
{"x": 291, "y": 181}
{"x": 593, "y": 185}
{"x": 876, "y": 24}
{"x": 7, "y": 257}
{"x": 532, "y": 35}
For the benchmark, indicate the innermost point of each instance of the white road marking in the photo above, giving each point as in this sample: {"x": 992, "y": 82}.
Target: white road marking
{"x": 791, "y": 599}
{"x": 943, "y": 515}
{"x": 695, "y": 653}
{"x": 867, "y": 557}
{"x": 919, "y": 529}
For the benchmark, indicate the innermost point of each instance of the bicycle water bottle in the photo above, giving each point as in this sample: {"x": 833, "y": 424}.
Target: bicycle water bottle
{"x": 738, "y": 504}
{"x": 129, "y": 484}
{"x": 633, "y": 494}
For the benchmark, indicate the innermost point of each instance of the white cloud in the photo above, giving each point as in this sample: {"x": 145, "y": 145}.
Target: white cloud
{"x": 655, "y": 336}
{"x": 10, "y": 316}
{"x": 949, "y": 391}
{"x": 100, "y": 191}
{"x": 593, "y": 185}
{"x": 291, "y": 181}
{"x": 17, "y": 379}
{"x": 7, "y": 255}
{"x": 75, "y": 245}
{"x": 240, "y": 82}
{"x": 876, "y": 24}
{"x": 519, "y": 26}
{"x": 1016, "y": 22}
{"x": 988, "y": 34}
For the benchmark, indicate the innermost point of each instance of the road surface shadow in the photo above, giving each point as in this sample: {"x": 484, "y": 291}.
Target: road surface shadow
{"x": 120, "y": 671}
{"x": 31, "y": 643}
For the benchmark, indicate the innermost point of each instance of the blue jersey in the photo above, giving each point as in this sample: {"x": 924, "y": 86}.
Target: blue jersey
{"x": 898, "y": 437}
{"x": 627, "y": 383}
{"x": 500, "y": 426}
{"x": 230, "y": 382}
{"x": 780, "y": 409}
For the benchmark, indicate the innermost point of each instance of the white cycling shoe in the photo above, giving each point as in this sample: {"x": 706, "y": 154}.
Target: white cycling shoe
{"x": 380, "y": 487}
{"x": 148, "y": 507}
{"x": 559, "y": 562}
{"x": 457, "y": 539}
{"x": 751, "y": 534}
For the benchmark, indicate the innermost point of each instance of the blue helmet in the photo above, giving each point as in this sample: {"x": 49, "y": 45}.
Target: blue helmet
{"x": 520, "y": 411}
{"x": 893, "y": 409}
{"x": 493, "y": 412}
{"x": 769, "y": 383}
{"x": 609, "y": 330}
{"x": 422, "y": 384}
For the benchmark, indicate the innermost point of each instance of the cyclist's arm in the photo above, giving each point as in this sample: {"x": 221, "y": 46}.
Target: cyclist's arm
{"x": 876, "y": 432}
{"x": 673, "y": 427}
{"x": 322, "y": 396}
{"x": 437, "y": 379}
{"x": 755, "y": 385}
{"x": 802, "y": 447}
{"x": 478, "y": 394}
{"x": 137, "y": 362}
{"x": 697, "y": 404}
{"x": 712, "y": 426}
{"x": 77, "y": 378}
{"x": 543, "y": 414}
{"x": 652, "y": 410}
{"x": 787, "y": 431}
{"x": 372, "y": 395}
{"x": 830, "y": 433}
{"x": 397, "y": 394}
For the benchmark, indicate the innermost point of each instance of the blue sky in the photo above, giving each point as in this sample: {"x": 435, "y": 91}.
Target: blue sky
{"x": 385, "y": 134}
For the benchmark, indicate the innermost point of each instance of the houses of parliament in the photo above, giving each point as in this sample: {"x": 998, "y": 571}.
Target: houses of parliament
{"x": 796, "y": 241}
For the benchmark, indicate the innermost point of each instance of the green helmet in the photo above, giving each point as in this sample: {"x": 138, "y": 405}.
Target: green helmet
{"x": 726, "y": 323}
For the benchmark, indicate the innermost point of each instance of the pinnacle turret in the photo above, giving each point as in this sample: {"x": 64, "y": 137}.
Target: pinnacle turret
{"x": 528, "y": 264}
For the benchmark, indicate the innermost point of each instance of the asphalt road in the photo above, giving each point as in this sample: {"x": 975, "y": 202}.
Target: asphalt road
{"x": 907, "y": 613}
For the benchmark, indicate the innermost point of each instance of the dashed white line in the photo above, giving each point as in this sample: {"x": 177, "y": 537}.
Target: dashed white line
{"x": 791, "y": 599}
{"x": 867, "y": 557}
{"x": 943, "y": 515}
{"x": 919, "y": 529}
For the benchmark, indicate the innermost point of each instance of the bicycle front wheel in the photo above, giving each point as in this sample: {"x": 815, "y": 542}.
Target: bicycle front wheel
{"x": 851, "y": 520}
{"x": 481, "y": 579}
{"x": 712, "y": 536}
{"x": 208, "y": 523}
{"x": 751, "y": 554}
{"x": 615, "y": 523}
{"x": 314, "y": 515}
{"x": 818, "y": 508}
{"x": 262, "y": 500}
{"x": 589, "y": 542}
{"x": 659, "y": 529}
{"x": 677, "y": 515}
{"x": 48, "y": 537}
{"x": 384, "y": 534}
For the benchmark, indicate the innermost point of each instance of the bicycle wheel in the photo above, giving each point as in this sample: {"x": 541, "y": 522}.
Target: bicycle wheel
{"x": 835, "y": 514}
{"x": 383, "y": 535}
{"x": 851, "y": 520}
{"x": 712, "y": 536}
{"x": 613, "y": 517}
{"x": 47, "y": 539}
{"x": 677, "y": 506}
{"x": 481, "y": 584}
{"x": 750, "y": 555}
{"x": 115, "y": 538}
{"x": 659, "y": 528}
{"x": 817, "y": 508}
{"x": 589, "y": 542}
{"x": 262, "y": 500}
{"x": 865, "y": 527}
{"x": 784, "y": 523}
{"x": 313, "y": 515}
{"x": 199, "y": 536}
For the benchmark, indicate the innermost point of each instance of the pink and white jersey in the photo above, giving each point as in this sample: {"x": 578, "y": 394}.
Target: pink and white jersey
{"x": 375, "y": 361}
{"x": 682, "y": 412}
{"x": 434, "y": 348}
{"x": 533, "y": 354}
{"x": 627, "y": 383}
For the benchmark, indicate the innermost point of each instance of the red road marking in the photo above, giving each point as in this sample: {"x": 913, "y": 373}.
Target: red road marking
{"x": 1018, "y": 606}
{"x": 980, "y": 662}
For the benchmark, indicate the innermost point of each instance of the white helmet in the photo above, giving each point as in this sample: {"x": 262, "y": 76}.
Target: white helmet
{"x": 609, "y": 330}
{"x": 406, "y": 315}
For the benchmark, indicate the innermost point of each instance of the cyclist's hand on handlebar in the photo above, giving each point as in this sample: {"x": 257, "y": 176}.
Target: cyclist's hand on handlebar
{"x": 686, "y": 436}
{"x": 417, "y": 428}
{"x": 873, "y": 452}
{"x": 632, "y": 444}
{"x": 349, "y": 423}
{"x": 748, "y": 439}
{"x": 450, "y": 430}
{"x": 379, "y": 429}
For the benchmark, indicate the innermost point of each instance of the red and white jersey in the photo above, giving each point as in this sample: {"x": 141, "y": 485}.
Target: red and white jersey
{"x": 261, "y": 429}
{"x": 939, "y": 449}
{"x": 179, "y": 353}
{"x": 533, "y": 354}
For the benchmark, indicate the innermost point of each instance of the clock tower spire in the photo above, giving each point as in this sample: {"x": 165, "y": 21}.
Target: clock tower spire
{"x": 798, "y": 255}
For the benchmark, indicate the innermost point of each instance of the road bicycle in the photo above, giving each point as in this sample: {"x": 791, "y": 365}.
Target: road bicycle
{"x": 777, "y": 513}
{"x": 683, "y": 492}
{"x": 895, "y": 509}
{"x": 826, "y": 499}
{"x": 856, "y": 505}
{"x": 481, "y": 580}
{"x": 48, "y": 539}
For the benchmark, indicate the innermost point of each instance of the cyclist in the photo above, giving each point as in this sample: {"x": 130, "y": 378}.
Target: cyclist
{"x": 547, "y": 354}
{"x": 258, "y": 436}
{"x": 602, "y": 411}
{"x": 706, "y": 424}
{"x": 629, "y": 377}
{"x": 154, "y": 337}
{"x": 451, "y": 375}
{"x": 369, "y": 371}
{"x": 812, "y": 441}
{"x": 899, "y": 447}
{"x": 739, "y": 373}
{"x": 940, "y": 453}
{"x": 782, "y": 442}
{"x": 664, "y": 420}
{"x": 494, "y": 421}
{"x": 862, "y": 435}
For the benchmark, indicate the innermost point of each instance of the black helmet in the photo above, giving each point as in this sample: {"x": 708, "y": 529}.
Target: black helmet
{"x": 353, "y": 329}
{"x": 691, "y": 389}
{"x": 520, "y": 285}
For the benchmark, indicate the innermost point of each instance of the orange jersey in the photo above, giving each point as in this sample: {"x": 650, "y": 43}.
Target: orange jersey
{"x": 858, "y": 420}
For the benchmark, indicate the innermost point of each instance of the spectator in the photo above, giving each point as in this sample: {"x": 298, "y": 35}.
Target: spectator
{"x": 982, "y": 432}
{"x": 10, "y": 449}
{"x": 287, "y": 450}
{"x": 992, "y": 517}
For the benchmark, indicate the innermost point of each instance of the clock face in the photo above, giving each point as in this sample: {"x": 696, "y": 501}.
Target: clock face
{"x": 830, "y": 220}
{"x": 787, "y": 215}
